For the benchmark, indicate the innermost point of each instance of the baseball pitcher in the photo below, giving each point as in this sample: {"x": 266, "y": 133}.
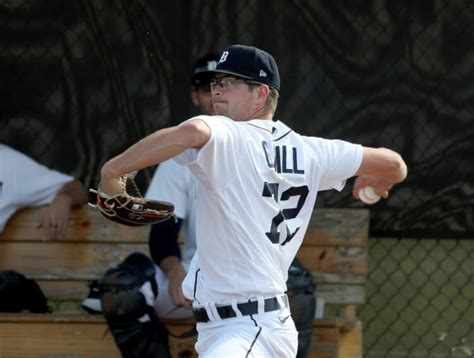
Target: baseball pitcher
{"x": 257, "y": 182}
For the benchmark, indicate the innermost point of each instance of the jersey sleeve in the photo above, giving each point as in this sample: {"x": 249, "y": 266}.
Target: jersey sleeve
{"x": 25, "y": 183}
{"x": 337, "y": 161}
{"x": 174, "y": 183}
{"x": 34, "y": 184}
{"x": 217, "y": 160}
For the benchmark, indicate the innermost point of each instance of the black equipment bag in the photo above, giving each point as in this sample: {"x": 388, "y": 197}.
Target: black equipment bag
{"x": 18, "y": 293}
{"x": 301, "y": 294}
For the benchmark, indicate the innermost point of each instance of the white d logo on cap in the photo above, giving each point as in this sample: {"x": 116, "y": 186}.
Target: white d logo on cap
{"x": 223, "y": 57}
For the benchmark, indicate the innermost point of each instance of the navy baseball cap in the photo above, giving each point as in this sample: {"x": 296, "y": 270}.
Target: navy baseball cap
{"x": 203, "y": 70}
{"x": 250, "y": 63}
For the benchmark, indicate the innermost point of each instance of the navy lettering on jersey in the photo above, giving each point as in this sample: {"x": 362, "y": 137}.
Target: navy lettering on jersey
{"x": 283, "y": 162}
{"x": 268, "y": 157}
{"x": 281, "y": 159}
{"x": 271, "y": 190}
{"x": 277, "y": 159}
{"x": 295, "y": 163}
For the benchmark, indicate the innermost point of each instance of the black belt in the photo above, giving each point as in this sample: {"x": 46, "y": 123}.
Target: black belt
{"x": 247, "y": 309}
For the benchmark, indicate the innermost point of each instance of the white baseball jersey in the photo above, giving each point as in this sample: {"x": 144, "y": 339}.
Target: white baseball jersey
{"x": 174, "y": 183}
{"x": 257, "y": 183}
{"x": 25, "y": 183}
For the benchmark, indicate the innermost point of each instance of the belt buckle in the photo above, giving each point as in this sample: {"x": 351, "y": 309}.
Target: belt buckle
{"x": 226, "y": 312}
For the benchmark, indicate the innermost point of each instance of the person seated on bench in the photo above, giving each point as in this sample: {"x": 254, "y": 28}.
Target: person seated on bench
{"x": 26, "y": 183}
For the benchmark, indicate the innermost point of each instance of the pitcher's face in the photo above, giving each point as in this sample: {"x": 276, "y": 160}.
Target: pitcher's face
{"x": 233, "y": 97}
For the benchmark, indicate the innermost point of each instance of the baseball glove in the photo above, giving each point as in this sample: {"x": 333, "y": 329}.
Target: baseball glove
{"x": 129, "y": 207}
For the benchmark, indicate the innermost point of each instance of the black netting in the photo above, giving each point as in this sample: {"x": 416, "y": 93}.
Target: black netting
{"x": 82, "y": 80}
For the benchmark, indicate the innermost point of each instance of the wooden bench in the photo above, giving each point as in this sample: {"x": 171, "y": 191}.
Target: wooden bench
{"x": 335, "y": 249}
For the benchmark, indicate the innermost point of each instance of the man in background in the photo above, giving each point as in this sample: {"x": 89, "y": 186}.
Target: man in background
{"x": 176, "y": 184}
{"x": 26, "y": 183}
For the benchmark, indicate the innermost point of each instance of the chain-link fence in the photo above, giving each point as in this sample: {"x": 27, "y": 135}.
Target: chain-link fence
{"x": 84, "y": 79}
{"x": 420, "y": 298}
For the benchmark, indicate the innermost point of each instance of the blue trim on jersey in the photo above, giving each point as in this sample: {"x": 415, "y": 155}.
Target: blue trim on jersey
{"x": 265, "y": 129}
{"x": 195, "y": 283}
{"x": 254, "y": 340}
{"x": 271, "y": 131}
{"x": 283, "y": 136}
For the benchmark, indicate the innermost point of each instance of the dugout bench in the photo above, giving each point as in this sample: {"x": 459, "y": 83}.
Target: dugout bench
{"x": 335, "y": 249}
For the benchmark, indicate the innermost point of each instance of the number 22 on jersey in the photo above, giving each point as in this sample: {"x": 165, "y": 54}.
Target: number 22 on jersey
{"x": 271, "y": 190}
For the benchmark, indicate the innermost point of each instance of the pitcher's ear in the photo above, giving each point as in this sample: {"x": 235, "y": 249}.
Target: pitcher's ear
{"x": 263, "y": 91}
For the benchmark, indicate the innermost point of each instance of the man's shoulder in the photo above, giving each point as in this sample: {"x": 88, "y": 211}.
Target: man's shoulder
{"x": 28, "y": 168}
{"x": 215, "y": 118}
{"x": 10, "y": 154}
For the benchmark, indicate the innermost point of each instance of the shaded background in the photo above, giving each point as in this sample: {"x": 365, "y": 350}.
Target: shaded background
{"x": 81, "y": 80}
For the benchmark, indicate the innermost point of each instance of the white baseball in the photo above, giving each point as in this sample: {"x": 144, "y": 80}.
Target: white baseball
{"x": 368, "y": 195}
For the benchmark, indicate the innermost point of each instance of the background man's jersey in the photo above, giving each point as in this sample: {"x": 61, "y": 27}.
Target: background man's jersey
{"x": 25, "y": 183}
{"x": 174, "y": 183}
